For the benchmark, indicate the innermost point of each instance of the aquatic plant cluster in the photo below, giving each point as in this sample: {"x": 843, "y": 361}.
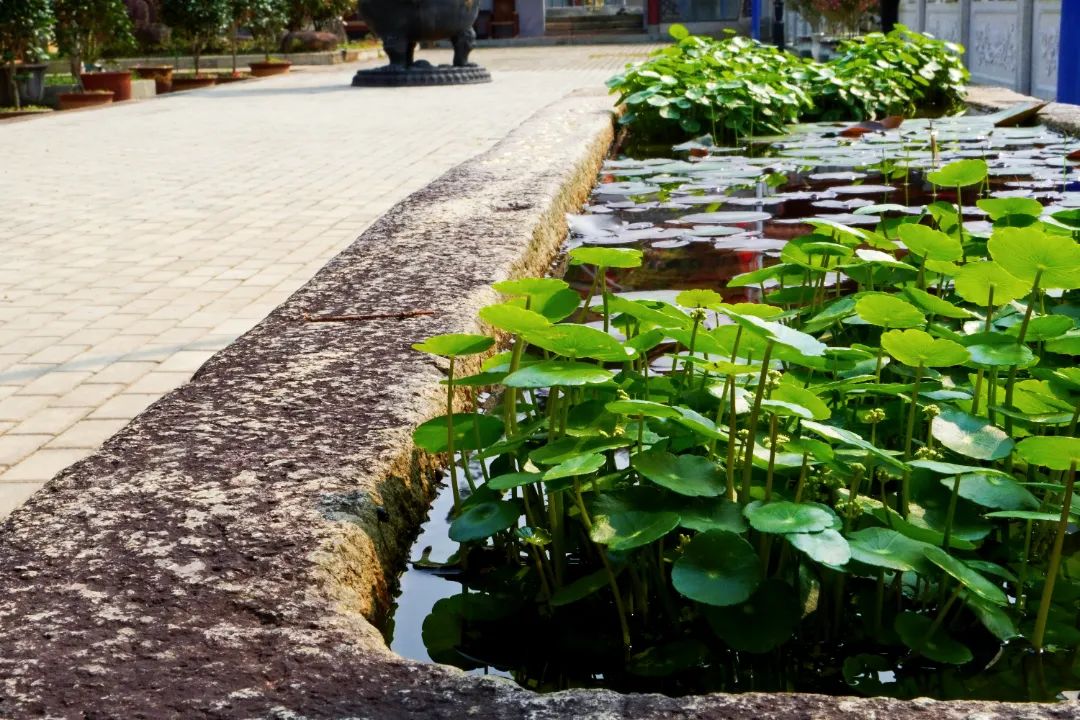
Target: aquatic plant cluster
{"x": 862, "y": 483}
{"x": 736, "y": 87}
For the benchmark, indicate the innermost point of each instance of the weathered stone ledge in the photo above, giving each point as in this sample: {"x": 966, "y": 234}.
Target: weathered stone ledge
{"x": 224, "y": 555}
{"x": 1062, "y": 117}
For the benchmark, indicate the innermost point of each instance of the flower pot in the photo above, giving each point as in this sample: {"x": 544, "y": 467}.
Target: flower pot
{"x": 192, "y": 82}
{"x": 118, "y": 82}
{"x": 224, "y": 78}
{"x": 30, "y": 79}
{"x": 160, "y": 74}
{"x": 77, "y": 100}
{"x": 273, "y": 67}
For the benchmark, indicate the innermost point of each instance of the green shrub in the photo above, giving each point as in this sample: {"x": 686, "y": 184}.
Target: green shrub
{"x": 737, "y": 87}
{"x": 199, "y": 21}
{"x": 85, "y": 27}
{"x": 24, "y": 27}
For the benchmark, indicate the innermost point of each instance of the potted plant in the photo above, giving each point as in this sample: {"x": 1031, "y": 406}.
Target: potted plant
{"x": 267, "y": 22}
{"x": 199, "y": 22}
{"x": 23, "y": 27}
{"x": 160, "y": 74}
{"x": 83, "y": 28}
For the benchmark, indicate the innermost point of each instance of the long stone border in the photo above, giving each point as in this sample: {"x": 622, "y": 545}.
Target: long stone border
{"x": 225, "y": 555}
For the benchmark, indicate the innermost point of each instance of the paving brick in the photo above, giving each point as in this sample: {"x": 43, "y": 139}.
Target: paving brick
{"x": 42, "y": 465}
{"x": 88, "y": 434}
{"x": 124, "y": 406}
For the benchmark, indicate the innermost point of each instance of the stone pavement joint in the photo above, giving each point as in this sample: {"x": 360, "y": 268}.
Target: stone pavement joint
{"x": 140, "y": 239}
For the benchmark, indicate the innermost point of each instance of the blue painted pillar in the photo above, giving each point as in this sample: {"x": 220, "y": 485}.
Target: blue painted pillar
{"x": 1069, "y": 53}
{"x": 755, "y": 19}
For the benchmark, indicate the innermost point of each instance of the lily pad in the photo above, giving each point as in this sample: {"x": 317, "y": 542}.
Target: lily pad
{"x": 975, "y": 280}
{"x": 455, "y": 345}
{"x": 881, "y": 547}
{"x": 482, "y": 520}
{"x": 1027, "y": 252}
{"x": 1056, "y": 453}
{"x": 969, "y": 578}
{"x": 717, "y": 568}
{"x": 691, "y": 475}
{"x": 970, "y": 435}
{"x": 929, "y": 243}
{"x": 916, "y": 347}
{"x": 889, "y": 311}
{"x": 827, "y": 547}
{"x": 783, "y": 517}
{"x": 557, "y": 373}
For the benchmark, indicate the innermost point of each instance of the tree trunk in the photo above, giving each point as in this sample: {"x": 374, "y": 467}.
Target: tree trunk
{"x": 235, "y": 41}
{"x": 76, "y": 70}
{"x": 14, "y": 84}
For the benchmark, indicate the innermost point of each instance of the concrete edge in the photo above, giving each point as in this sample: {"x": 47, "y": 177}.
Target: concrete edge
{"x": 1061, "y": 117}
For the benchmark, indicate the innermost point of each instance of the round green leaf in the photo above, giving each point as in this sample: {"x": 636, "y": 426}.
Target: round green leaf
{"x": 483, "y": 520}
{"x": 993, "y": 491}
{"x": 641, "y": 408}
{"x": 606, "y": 257}
{"x": 1056, "y": 453}
{"x": 914, "y": 631}
{"x": 626, "y": 529}
{"x": 575, "y": 466}
{"x": 929, "y": 243}
{"x": 1067, "y": 344}
{"x": 765, "y": 621}
{"x": 915, "y": 347}
{"x": 1042, "y": 328}
{"x": 579, "y": 341}
{"x": 888, "y": 311}
{"x": 786, "y": 517}
{"x": 970, "y": 579}
{"x": 780, "y": 334}
{"x": 513, "y": 318}
{"x": 970, "y": 435}
{"x": 960, "y": 173}
{"x": 455, "y": 345}
{"x": 513, "y": 480}
{"x": 1001, "y": 355}
{"x": 933, "y": 305}
{"x": 1027, "y": 252}
{"x": 827, "y": 547}
{"x": 699, "y": 298}
{"x": 531, "y": 287}
{"x": 881, "y": 547}
{"x": 471, "y": 432}
{"x": 557, "y": 306}
{"x": 580, "y": 588}
{"x": 803, "y": 398}
{"x": 557, "y": 373}
{"x": 717, "y": 568}
{"x": 974, "y": 281}
{"x": 690, "y": 475}
{"x": 1004, "y": 207}
{"x": 721, "y": 514}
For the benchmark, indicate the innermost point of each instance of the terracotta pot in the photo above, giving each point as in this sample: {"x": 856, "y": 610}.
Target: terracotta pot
{"x": 119, "y": 82}
{"x": 160, "y": 74}
{"x": 224, "y": 78}
{"x": 76, "y": 100}
{"x": 192, "y": 82}
{"x": 265, "y": 69}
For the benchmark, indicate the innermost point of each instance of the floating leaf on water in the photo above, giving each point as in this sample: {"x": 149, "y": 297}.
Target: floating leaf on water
{"x": 765, "y": 621}
{"x": 667, "y": 659}
{"x": 557, "y": 373}
{"x": 916, "y": 347}
{"x": 974, "y": 281}
{"x": 914, "y": 631}
{"x": 717, "y": 568}
{"x": 482, "y": 520}
{"x": 970, "y": 435}
{"x": 929, "y": 243}
{"x": 1027, "y": 252}
{"x": 783, "y": 517}
{"x": 827, "y": 547}
{"x": 959, "y": 174}
{"x": 888, "y": 311}
{"x": 734, "y": 217}
{"x": 1056, "y": 453}
{"x": 471, "y": 432}
{"x": 881, "y": 547}
{"x": 690, "y": 475}
{"x": 993, "y": 491}
{"x": 967, "y": 577}
{"x": 606, "y": 257}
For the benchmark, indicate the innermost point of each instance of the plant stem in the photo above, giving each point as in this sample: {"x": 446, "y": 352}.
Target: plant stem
{"x": 612, "y": 580}
{"x": 450, "y": 438}
{"x": 951, "y": 513}
{"x": 1055, "y": 562}
{"x": 912, "y": 412}
{"x": 772, "y": 457}
{"x": 748, "y": 457}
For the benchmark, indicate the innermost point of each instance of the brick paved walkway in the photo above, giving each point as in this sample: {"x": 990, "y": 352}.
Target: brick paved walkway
{"x": 138, "y": 240}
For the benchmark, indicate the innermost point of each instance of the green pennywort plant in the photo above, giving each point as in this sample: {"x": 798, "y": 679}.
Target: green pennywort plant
{"x": 858, "y": 478}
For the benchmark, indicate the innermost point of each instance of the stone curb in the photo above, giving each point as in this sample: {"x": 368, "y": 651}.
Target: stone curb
{"x": 1062, "y": 117}
{"x": 225, "y": 555}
